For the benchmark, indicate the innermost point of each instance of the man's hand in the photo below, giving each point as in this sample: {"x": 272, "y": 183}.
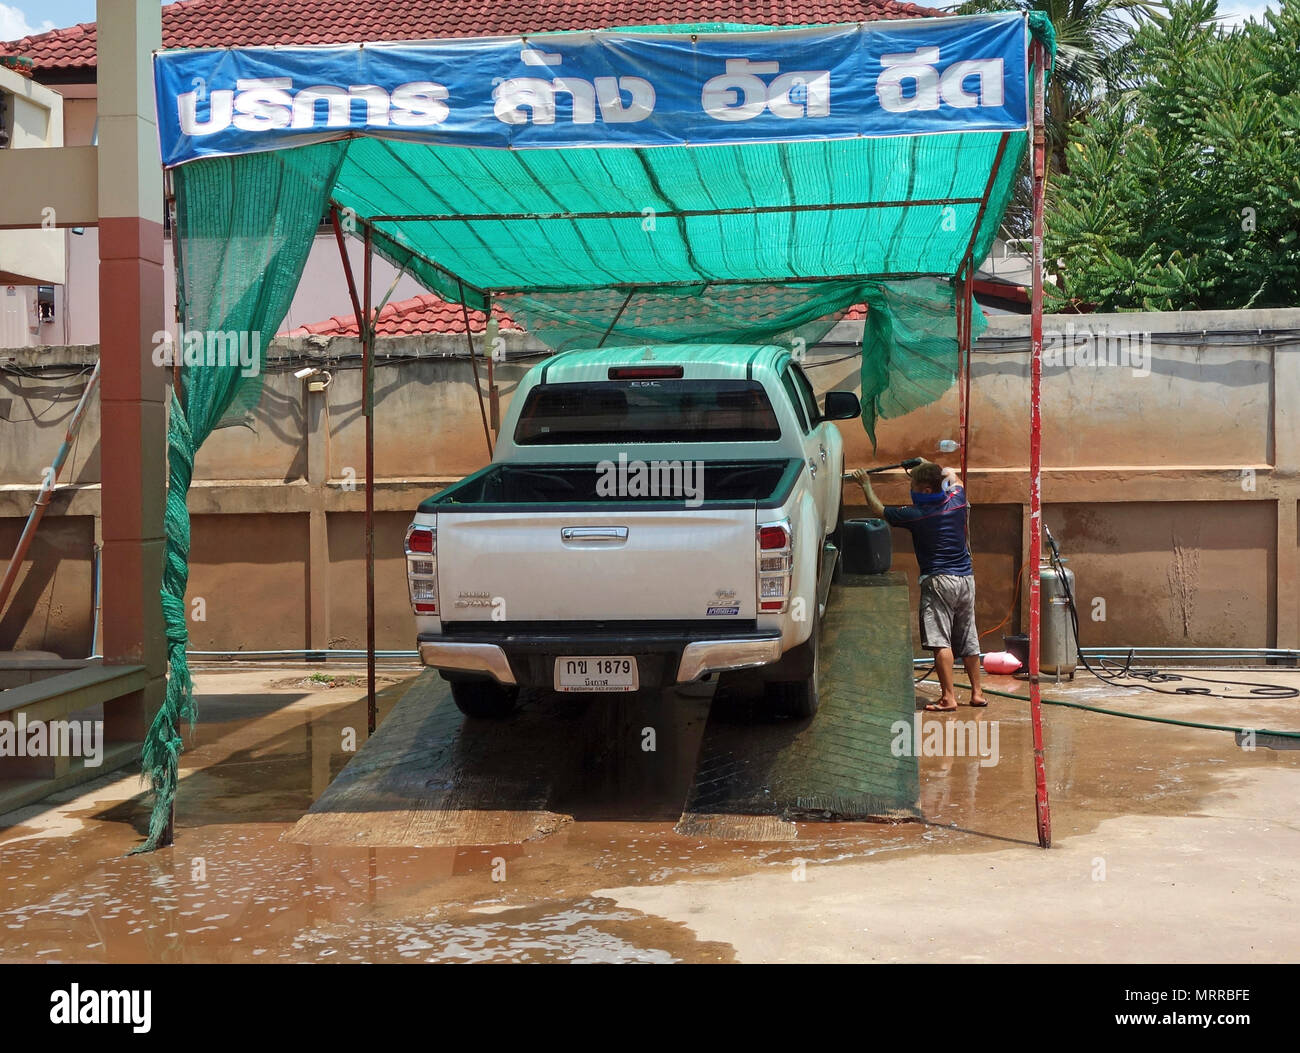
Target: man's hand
{"x": 873, "y": 502}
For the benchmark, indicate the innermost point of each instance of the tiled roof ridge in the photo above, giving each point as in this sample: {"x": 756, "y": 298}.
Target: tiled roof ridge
{"x": 425, "y": 313}
{"x": 222, "y": 23}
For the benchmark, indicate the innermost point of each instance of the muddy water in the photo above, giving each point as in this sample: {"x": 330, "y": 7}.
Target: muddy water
{"x": 233, "y": 890}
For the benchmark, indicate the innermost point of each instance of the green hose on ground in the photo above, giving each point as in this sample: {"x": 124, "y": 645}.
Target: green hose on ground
{"x": 1257, "y": 732}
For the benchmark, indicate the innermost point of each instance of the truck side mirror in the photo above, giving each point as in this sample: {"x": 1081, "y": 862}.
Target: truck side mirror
{"x": 842, "y": 405}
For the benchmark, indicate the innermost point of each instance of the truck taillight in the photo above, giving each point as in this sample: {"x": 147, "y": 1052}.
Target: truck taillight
{"x": 775, "y": 566}
{"x": 422, "y": 568}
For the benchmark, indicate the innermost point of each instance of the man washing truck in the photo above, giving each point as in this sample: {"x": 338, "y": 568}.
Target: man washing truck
{"x": 653, "y": 515}
{"x": 937, "y": 520}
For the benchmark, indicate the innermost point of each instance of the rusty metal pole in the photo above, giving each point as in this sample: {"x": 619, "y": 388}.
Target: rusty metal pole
{"x": 970, "y": 348}
{"x": 1041, "y": 806}
{"x": 961, "y": 373}
{"x": 489, "y": 332}
{"x": 963, "y": 353}
{"x": 48, "y": 482}
{"x": 347, "y": 264}
{"x": 473, "y": 362}
{"x": 367, "y": 330}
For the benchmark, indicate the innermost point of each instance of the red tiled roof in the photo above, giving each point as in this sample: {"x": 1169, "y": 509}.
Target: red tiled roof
{"x": 251, "y": 23}
{"x": 422, "y": 314}
{"x": 430, "y": 314}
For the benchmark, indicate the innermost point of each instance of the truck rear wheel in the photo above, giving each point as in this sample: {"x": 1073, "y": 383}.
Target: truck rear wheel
{"x": 484, "y": 699}
{"x": 797, "y": 698}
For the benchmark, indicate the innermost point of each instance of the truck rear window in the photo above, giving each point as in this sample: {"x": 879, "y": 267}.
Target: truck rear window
{"x": 647, "y": 411}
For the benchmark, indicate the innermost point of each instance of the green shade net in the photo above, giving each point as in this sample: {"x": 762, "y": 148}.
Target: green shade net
{"x": 244, "y": 229}
{"x": 704, "y": 244}
{"x": 909, "y": 347}
{"x": 763, "y": 242}
{"x": 627, "y": 218}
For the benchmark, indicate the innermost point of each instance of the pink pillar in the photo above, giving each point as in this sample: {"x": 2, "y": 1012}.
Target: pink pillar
{"x": 133, "y": 388}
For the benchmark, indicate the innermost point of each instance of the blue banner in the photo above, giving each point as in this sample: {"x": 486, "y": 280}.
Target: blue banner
{"x": 607, "y": 88}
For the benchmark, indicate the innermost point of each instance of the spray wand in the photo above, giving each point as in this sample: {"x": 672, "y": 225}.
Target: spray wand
{"x": 945, "y": 446}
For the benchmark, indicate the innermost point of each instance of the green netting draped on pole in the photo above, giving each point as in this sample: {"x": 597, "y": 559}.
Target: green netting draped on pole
{"x": 909, "y": 347}
{"x": 244, "y": 229}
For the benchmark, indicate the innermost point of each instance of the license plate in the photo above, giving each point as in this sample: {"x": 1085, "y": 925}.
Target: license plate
{"x": 596, "y": 672}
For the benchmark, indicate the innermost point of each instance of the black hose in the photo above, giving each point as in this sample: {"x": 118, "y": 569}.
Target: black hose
{"x": 1148, "y": 677}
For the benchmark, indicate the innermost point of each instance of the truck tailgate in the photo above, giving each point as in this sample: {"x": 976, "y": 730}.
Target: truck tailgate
{"x": 592, "y": 566}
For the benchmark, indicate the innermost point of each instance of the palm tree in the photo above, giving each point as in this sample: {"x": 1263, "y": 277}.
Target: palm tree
{"x": 1094, "y": 40}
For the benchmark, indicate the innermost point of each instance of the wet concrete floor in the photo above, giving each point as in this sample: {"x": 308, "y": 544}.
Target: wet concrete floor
{"x": 613, "y": 880}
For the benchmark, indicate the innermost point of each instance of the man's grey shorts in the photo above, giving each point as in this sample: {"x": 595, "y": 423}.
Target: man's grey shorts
{"x": 948, "y": 614}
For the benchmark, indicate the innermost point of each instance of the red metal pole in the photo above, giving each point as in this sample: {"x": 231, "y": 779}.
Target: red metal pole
{"x": 493, "y": 417}
{"x": 48, "y": 482}
{"x": 347, "y": 265}
{"x": 368, "y": 405}
{"x": 961, "y": 374}
{"x": 1041, "y": 805}
{"x": 473, "y": 362}
{"x": 965, "y": 317}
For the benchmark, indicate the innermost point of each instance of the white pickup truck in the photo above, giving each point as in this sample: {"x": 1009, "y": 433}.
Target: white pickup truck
{"x": 651, "y": 516}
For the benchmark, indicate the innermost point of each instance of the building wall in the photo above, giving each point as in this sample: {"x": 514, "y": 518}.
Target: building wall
{"x": 1172, "y": 487}
{"x": 33, "y": 120}
{"x": 322, "y": 291}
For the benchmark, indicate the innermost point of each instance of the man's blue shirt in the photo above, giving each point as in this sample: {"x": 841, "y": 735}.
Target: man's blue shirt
{"x": 938, "y": 526}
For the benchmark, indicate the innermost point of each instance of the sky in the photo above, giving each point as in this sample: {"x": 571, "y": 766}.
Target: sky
{"x": 18, "y": 18}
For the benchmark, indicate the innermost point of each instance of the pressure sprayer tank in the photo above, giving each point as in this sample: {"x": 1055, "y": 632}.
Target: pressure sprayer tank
{"x": 1058, "y": 648}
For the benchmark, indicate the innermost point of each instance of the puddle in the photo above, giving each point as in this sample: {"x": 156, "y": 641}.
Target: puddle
{"x": 233, "y": 890}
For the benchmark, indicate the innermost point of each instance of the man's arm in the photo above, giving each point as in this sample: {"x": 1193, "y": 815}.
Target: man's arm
{"x": 873, "y": 502}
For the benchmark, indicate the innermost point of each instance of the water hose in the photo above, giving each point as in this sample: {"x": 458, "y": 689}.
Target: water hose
{"x": 1149, "y": 677}
{"x": 1256, "y": 732}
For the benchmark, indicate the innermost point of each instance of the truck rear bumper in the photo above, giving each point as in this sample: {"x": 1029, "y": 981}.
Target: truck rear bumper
{"x": 460, "y": 656}
{"x": 718, "y": 656}
{"x": 662, "y": 659}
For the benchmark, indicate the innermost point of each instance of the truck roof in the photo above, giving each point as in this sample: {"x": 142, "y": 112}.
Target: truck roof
{"x": 702, "y": 361}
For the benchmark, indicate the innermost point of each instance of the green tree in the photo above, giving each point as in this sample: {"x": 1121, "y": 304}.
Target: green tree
{"x": 1094, "y": 61}
{"x": 1093, "y": 55}
{"x": 1184, "y": 193}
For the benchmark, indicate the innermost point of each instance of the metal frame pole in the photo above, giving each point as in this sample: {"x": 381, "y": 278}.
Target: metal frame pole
{"x": 1042, "y": 808}
{"x": 961, "y": 370}
{"x": 494, "y": 406}
{"x": 368, "y": 408}
{"x": 473, "y": 362}
{"x": 966, "y": 300}
{"x": 48, "y": 482}
{"x": 347, "y": 265}
{"x": 964, "y": 304}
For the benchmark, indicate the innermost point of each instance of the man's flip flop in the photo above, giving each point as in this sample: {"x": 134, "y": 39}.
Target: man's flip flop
{"x": 979, "y": 705}
{"x": 936, "y": 708}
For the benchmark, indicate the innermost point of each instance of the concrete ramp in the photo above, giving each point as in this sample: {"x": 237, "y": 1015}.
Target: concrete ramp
{"x": 754, "y": 780}
{"x": 429, "y": 778}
